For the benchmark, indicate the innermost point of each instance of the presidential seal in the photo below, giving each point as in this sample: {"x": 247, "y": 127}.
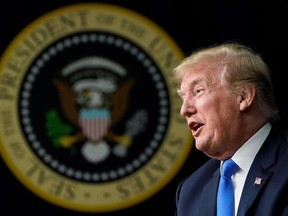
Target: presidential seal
{"x": 89, "y": 119}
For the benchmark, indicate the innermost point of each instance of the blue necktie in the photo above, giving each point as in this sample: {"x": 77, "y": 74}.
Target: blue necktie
{"x": 225, "y": 196}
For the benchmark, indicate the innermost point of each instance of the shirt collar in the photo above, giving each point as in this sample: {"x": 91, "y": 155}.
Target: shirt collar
{"x": 245, "y": 155}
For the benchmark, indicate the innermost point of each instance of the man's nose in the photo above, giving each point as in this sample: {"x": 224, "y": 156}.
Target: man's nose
{"x": 187, "y": 108}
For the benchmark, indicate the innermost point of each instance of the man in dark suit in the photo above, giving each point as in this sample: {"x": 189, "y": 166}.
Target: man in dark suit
{"x": 228, "y": 102}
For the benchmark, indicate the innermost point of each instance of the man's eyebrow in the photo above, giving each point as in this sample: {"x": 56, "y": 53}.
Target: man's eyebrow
{"x": 193, "y": 83}
{"x": 199, "y": 79}
{"x": 196, "y": 81}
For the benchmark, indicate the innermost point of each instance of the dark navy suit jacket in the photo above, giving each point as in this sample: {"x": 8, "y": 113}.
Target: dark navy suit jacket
{"x": 196, "y": 195}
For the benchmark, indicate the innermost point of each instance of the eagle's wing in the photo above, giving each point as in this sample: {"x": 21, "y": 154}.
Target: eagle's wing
{"x": 120, "y": 101}
{"x": 67, "y": 101}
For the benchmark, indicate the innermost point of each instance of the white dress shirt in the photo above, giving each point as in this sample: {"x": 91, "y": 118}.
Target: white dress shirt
{"x": 244, "y": 158}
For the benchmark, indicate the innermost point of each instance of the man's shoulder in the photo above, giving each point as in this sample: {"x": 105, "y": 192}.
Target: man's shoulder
{"x": 206, "y": 171}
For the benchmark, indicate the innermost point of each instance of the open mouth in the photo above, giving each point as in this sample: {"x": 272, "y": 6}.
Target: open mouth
{"x": 195, "y": 126}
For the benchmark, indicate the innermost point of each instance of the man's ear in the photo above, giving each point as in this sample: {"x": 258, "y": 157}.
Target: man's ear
{"x": 246, "y": 97}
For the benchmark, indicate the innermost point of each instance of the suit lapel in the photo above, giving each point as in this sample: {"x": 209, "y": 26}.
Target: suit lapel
{"x": 255, "y": 181}
{"x": 259, "y": 173}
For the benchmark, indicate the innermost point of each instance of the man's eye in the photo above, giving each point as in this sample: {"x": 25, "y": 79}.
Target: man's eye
{"x": 198, "y": 91}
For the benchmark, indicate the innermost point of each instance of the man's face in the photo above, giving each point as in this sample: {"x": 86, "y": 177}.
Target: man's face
{"x": 211, "y": 112}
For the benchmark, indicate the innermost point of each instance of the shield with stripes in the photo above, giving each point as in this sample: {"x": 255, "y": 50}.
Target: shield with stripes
{"x": 94, "y": 123}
